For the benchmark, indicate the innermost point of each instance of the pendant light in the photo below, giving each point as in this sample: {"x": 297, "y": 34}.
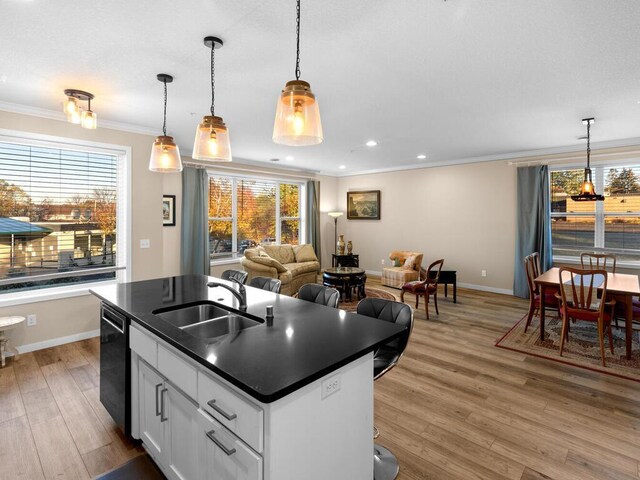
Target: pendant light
{"x": 165, "y": 154}
{"x": 297, "y": 120}
{"x": 75, "y": 114}
{"x": 212, "y": 136}
{"x": 587, "y": 191}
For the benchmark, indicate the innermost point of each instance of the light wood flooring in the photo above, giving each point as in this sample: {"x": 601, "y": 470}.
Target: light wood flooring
{"x": 456, "y": 407}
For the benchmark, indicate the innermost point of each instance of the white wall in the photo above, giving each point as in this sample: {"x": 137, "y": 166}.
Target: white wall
{"x": 464, "y": 214}
{"x": 78, "y": 315}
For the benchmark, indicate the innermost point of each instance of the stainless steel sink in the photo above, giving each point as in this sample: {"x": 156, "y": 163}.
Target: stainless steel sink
{"x": 183, "y": 316}
{"x": 217, "y": 327}
{"x": 206, "y": 319}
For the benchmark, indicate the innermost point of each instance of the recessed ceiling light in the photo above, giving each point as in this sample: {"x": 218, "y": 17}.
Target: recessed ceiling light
{"x": 342, "y": 167}
{"x": 3, "y": 79}
{"x": 422, "y": 156}
{"x": 371, "y": 143}
{"x": 289, "y": 157}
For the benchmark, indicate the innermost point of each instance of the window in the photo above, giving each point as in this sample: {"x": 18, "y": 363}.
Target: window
{"x": 245, "y": 212}
{"x": 609, "y": 226}
{"x": 60, "y": 215}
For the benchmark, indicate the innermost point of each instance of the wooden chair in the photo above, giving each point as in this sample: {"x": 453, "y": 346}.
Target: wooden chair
{"x": 579, "y": 293}
{"x": 598, "y": 261}
{"x": 532, "y": 269}
{"x": 425, "y": 288}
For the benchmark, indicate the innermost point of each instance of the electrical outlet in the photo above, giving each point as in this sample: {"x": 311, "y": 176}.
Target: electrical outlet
{"x": 331, "y": 386}
{"x": 32, "y": 320}
{"x": 483, "y": 273}
{"x": 145, "y": 243}
{"x": 382, "y": 262}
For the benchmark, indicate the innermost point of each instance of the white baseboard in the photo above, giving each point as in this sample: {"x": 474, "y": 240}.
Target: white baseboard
{"x": 484, "y": 288}
{"x": 54, "y": 342}
{"x": 373, "y": 272}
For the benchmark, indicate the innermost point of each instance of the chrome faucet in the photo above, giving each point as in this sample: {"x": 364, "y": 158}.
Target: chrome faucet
{"x": 240, "y": 294}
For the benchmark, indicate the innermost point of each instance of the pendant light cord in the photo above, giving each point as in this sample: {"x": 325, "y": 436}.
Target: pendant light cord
{"x": 164, "y": 121}
{"x": 213, "y": 79}
{"x": 588, "y": 143}
{"x": 298, "y": 40}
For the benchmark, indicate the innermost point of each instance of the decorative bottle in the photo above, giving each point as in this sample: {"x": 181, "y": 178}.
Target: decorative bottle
{"x": 349, "y": 247}
{"x": 340, "y": 245}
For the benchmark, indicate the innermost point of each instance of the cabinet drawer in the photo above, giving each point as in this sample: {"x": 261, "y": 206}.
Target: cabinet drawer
{"x": 144, "y": 346}
{"x": 177, "y": 371}
{"x": 233, "y": 411}
{"x": 224, "y": 456}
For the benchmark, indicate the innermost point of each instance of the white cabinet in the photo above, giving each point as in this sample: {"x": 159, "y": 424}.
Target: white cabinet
{"x": 151, "y": 394}
{"x": 223, "y": 456}
{"x": 168, "y": 424}
{"x": 182, "y": 435}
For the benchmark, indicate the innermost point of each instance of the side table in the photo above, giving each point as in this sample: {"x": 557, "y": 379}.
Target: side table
{"x": 448, "y": 277}
{"x": 7, "y": 323}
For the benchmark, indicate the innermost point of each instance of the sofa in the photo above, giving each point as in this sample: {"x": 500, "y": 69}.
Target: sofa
{"x": 406, "y": 268}
{"x": 293, "y": 265}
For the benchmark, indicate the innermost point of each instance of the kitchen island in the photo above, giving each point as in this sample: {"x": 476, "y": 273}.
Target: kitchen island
{"x": 287, "y": 400}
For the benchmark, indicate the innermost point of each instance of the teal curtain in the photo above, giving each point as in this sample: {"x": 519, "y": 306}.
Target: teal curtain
{"x": 194, "y": 253}
{"x": 313, "y": 215}
{"x": 534, "y": 223}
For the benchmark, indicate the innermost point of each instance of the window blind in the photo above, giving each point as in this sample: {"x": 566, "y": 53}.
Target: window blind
{"x": 58, "y": 216}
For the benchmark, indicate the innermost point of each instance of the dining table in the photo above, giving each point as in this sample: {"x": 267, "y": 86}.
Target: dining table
{"x": 621, "y": 286}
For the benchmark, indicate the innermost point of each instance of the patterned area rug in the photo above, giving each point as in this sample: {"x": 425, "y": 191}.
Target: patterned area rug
{"x": 371, "y": 292}
{"x": 582, "y": 349}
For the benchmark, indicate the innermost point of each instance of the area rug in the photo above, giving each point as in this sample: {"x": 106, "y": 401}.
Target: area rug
{"x": 582, "y": 349}
{"x": 371, "y": 293}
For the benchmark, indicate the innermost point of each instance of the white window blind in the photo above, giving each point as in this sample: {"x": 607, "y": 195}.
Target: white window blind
{"x": 58, "y": 216}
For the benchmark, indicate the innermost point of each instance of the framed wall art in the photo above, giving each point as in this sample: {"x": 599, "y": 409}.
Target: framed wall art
{"x": 363, "y": 205}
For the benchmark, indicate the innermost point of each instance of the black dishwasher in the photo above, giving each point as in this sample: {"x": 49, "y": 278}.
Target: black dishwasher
{"x": 115, "y": 366}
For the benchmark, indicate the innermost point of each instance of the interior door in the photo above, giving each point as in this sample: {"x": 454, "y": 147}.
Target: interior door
{"x": 152, "y": 397}
{"x": 182, "y": 435}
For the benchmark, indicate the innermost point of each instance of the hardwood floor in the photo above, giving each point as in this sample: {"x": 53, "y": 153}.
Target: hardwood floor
{"x": 456, "y": 407}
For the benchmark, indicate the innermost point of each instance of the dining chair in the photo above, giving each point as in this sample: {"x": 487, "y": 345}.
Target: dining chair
{"x": 237, "y": 275}
{"x": 532, "y": 269}
{"x": 315, "y": 293}
{"x": 580, "y": 301}
{"x": 385, "y": 464}
{"x": 425, "y": 288}
{"x": 266, "y": 283}
{"x": 598, "y": 261}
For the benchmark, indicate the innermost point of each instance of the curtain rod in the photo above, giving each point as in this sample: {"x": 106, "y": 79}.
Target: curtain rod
{"x": 248, "y": 169}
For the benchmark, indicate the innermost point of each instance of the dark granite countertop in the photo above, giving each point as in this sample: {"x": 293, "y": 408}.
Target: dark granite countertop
{"x": 306, "y": 342}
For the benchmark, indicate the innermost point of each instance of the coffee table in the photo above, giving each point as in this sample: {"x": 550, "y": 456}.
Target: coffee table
{"x": 344, "y": 278}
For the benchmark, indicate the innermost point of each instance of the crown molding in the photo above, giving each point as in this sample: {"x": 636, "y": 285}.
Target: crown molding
{"x": 59, "y": 116}
{"x": 610, "y": 148}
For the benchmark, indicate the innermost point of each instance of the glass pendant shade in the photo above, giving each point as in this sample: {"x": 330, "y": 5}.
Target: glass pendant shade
{"x": 297, "y": 120}
{"x": 165, "y": 156}
{"x": 212, "y": 140}
{"x": 74, "y": 117}
{"x": 89, "y": 120}
{"x": 70, "y": 106}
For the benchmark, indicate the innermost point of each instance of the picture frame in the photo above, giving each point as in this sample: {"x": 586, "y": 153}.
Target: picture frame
{"x": 364, "y": 205}
{"x": 169, "y": 210}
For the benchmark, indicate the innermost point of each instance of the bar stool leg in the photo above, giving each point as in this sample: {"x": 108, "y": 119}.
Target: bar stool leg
{"x": 385, "y": 464}
{"x": 3, "y": 342}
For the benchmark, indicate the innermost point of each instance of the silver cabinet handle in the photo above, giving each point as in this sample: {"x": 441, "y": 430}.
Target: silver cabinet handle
{"x": 218, "y": 442}
{"x": 158, "y": 411}
{"x": 121, "y": 330}
{"x": 162, "y": 417}
{"x": 228, "y": 416}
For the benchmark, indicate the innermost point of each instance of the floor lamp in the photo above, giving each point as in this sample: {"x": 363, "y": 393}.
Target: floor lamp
{"x": 335, "y": 216}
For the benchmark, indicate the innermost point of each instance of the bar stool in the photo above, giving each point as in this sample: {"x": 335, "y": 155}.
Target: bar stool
{"x": 312, "y": 292}
{"x": 385, "y": 463}
{"x": 237, "y": 275}
{"x": 7, "y": 323}
{"x": 266, "y": 283}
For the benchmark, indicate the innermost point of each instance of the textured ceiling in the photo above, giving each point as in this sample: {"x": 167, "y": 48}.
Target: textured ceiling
{"x": 453, "y": 80}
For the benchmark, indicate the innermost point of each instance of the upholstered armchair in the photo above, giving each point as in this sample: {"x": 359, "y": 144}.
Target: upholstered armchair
{"x": 406, "y": 268}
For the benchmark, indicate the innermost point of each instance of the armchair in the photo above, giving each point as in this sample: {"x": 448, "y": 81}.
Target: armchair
{"x": 407, "y": 269}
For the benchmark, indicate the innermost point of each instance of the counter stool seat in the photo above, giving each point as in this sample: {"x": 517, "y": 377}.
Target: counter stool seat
{"x": 7, "y": 323}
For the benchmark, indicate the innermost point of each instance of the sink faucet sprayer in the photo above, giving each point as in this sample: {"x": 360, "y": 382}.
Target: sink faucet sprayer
{"x": 240, "y": 294}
